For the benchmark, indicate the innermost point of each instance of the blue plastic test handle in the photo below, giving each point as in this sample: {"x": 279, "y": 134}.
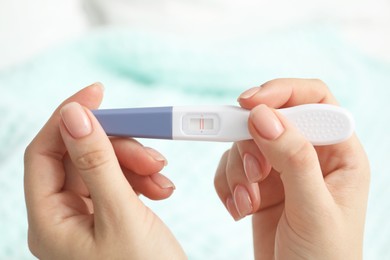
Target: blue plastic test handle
{"x": 151, "y": 122}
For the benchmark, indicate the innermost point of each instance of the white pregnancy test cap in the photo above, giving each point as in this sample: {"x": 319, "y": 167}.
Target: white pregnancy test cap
{"x": 321, "y": 124}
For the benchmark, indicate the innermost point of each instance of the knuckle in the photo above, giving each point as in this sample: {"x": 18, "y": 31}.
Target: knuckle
{"x": 301, "y": 157}
{"x": 323, "y": 87}
{"x": 92, "y": 160}
{"x": 322, "y": 91}
{"x": 217, "y": 182}
{"x": 27, "y": 153}
{"x": 220, "y": 174}
{"x": 319, "y": 82}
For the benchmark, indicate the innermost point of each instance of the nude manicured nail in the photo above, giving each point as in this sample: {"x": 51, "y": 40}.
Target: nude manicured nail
{"x": 266, "y": 122}
{"x": 231, "y": 207}
{"x": 162, "y": 181}
{"x": 156, "y": 155}
{"x": 76, "y": 120}
{"x": 252, "y": 168}
{"x": 249, "y": 93}
{"x": 99, "y": 85}
{"x": 242, "y": 201}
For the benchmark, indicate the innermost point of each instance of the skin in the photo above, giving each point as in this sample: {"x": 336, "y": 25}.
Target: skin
{"x": 82, "y": 187}
{"x": 81, "y": 191}
{"x": 307, "y": 202}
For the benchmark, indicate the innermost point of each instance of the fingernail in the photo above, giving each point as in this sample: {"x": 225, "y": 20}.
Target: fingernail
{"x": 242, "y": 201}
{"x": 98, "y": 84}
{"x": 266, "y": 122}
{"x": 231, "y": 207}
{"x": 76, "y": 120}
{"x": 252, "y": 168}
{"x": 156, "y": 155}
{"x": 249, "y": 93}
{"x": 162, "y": 181}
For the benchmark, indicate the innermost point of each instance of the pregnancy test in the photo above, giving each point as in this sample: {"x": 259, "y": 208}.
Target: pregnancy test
{"x": 321, "y": 124}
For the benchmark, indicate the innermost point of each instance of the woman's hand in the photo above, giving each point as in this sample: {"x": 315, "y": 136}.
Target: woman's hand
{"x": 81, "y": 190}
{"x": 307, "y": 202}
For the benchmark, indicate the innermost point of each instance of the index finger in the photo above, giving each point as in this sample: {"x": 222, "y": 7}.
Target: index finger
{"x": 279, "y": 93}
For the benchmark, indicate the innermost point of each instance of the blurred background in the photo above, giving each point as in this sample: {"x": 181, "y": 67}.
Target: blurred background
{"x": 171, "y": 52}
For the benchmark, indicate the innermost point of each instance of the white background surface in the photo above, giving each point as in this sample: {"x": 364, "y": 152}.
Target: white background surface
{"x": 29, "y": 27}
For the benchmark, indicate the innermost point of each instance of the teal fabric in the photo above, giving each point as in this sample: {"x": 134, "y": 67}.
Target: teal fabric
{"x": 156, "y": 69}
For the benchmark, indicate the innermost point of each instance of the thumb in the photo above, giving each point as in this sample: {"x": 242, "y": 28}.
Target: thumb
{"x": 93, "y": 156}
{"x": 290, "y": 154}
